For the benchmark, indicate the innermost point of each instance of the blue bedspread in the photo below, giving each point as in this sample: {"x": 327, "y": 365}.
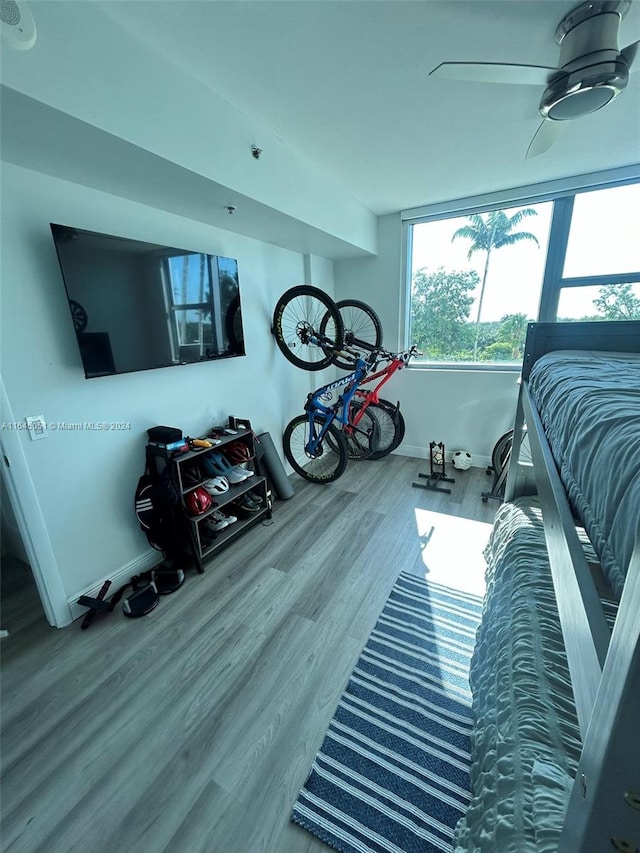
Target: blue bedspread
{"x": 525, "y": 740}
{"x": 589, "y": 403}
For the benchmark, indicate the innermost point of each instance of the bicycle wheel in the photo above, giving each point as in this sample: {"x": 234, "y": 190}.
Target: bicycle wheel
{"x": 362, "y": 329}
{"x": 392, "y": 427}
{"x": 330, "y": 459}
{"x": 501, "y": 452}
{"x": 308, "y": 327}
{"x": 362, "y": 439}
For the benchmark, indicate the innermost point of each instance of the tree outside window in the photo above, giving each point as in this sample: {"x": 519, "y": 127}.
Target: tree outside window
{"x": 476, "y": 284}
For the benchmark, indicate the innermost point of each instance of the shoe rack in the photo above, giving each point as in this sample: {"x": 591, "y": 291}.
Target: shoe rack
{"x": 204, "y": 541}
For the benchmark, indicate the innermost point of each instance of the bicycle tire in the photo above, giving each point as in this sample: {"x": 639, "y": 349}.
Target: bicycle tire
{"x": 501, "y": 452}
{"x": 298, "y": 316}
{"x": 392, "y": 428}
{"x": 332, "y": 457}
{"x": 362, "y": 329}
{"x": 363, "y": 439}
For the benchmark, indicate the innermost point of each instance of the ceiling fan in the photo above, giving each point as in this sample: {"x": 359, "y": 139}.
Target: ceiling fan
{"x": 590, "y": 74}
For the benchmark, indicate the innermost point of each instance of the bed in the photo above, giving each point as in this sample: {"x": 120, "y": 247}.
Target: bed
{"x": 556, "y": 668}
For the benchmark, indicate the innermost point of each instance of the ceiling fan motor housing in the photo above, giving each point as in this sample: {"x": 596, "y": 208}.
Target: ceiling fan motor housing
{"x": 592, "y": 70}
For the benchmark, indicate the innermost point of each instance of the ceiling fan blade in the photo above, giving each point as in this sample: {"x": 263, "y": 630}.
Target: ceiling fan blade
{"x": 495, "y": 72}
{"x": 629, "y": 53}
{"x": 545, "y": 136}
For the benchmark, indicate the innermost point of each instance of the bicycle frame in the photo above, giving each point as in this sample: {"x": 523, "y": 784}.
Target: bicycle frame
{"x": 338, "y": 410}
{"x": 396, "y": 363}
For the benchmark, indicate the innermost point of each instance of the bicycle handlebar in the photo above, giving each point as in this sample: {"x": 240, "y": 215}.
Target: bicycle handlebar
{"x": 376, "y": 355}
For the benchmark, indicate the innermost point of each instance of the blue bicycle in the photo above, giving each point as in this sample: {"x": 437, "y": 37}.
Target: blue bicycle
{"x": 313, "y": 443}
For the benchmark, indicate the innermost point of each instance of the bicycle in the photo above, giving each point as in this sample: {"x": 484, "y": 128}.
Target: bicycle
{"x": 313, "y": 332}
{"x": 388, "y": 415}
{"x": 314, "y": 446}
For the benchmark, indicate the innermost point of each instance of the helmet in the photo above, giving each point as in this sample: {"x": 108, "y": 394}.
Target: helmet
{"x": 198, "y": 501}
{"x": 237, "y": 452}
{"x": 191, "y": 475}
{"x": 217, "y": 465}
{"x": 216, "y": 485}
{"x": 213, "y": 465}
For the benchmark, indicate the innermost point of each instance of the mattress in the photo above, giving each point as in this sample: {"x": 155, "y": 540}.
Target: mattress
{"x": 526, "y": 741}
{"x": 589, "y": 404}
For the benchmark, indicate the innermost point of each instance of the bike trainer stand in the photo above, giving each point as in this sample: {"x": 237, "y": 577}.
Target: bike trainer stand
{"x": 436, "y": 474}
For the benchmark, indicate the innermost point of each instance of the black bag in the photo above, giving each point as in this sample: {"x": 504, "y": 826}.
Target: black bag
{"x": 157, "y": 508}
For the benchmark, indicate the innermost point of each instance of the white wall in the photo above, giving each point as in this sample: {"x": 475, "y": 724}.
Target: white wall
{"x": 85, "y": 480}
{"x": 466, "y": 409}
{"x": 86, "y": 65}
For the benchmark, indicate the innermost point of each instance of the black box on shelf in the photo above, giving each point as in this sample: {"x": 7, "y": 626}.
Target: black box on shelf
{"x": 239, "y": 423}
{"x": 164, "y": 434}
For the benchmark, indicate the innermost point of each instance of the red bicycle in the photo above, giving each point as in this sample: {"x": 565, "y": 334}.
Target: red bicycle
{"x": 388, "y": 416}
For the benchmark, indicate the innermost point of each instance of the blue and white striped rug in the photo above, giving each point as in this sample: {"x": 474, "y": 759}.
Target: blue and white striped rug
{"x": 392, "y": 773}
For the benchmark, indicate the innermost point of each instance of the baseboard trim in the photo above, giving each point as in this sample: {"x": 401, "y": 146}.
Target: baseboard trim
{"x": 423, "y": 453}
{"x": 143, "y": 563}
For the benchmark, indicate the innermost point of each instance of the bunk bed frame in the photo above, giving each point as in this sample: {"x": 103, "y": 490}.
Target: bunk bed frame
{"x": 604, "y": 805}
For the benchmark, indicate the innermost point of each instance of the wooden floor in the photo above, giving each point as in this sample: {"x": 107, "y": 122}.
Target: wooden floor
{"x": 192, "y": 729}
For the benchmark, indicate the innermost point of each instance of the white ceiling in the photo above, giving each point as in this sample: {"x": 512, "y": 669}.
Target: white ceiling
{"x": 346, "y": 85}
{"x": 159, "y": 101}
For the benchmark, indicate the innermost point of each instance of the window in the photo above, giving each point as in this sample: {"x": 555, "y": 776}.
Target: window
{"x": 601, "y": 271}
{"x": 604, "y": 302}
{"x": 477, "y": 280}
{"x": 603, "y": 237}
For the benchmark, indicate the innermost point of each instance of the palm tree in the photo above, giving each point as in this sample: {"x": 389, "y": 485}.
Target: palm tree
{"x": 489, "y": 232}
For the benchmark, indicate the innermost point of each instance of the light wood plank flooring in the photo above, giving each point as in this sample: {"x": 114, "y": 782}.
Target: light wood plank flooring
{"x": 192, "y": 729}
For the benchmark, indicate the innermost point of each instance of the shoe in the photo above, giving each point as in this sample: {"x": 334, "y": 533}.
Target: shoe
{"x": 245, "y": 472}
{"x": 216, "y": 522}
{"x": 249, "y": 503}
{"x": 231, "y": 519}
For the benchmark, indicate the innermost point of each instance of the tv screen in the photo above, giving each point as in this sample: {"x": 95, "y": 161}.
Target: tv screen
{"x": 139, "y": 306}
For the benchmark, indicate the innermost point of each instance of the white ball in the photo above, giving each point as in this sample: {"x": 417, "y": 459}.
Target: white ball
{"x": 461, "y": 460}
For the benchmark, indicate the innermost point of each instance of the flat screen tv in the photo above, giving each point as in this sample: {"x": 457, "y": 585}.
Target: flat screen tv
{"x": 139, "y": 306}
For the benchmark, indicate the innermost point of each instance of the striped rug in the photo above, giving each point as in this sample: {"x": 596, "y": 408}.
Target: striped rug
{"x": 392, "y": 773}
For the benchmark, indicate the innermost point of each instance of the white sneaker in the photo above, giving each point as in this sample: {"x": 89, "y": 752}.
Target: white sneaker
{"x": 234, "y": 476}
{"x": 245, "y": 473}
{"x": 216, "y": 522}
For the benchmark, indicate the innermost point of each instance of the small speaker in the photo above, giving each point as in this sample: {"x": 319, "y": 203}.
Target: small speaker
{"x": 17, "y": 26}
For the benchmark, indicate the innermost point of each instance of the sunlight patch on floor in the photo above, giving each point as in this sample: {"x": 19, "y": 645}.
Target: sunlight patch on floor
{"x": 452, "y": 550}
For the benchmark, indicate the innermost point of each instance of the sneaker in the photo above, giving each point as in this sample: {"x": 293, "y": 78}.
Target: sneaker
{"x": 215, "y": 522}
{"x": 231, "y": 519}
{"x": 249, "y": 503}
{"x": 244, "y": 472}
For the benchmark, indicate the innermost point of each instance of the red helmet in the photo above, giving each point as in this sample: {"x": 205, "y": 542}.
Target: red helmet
{"x": 198, "y": 501}
{"x": 237, "y": 452}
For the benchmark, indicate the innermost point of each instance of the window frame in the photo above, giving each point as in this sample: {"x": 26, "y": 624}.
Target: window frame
{"x": 562, "y": 194}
